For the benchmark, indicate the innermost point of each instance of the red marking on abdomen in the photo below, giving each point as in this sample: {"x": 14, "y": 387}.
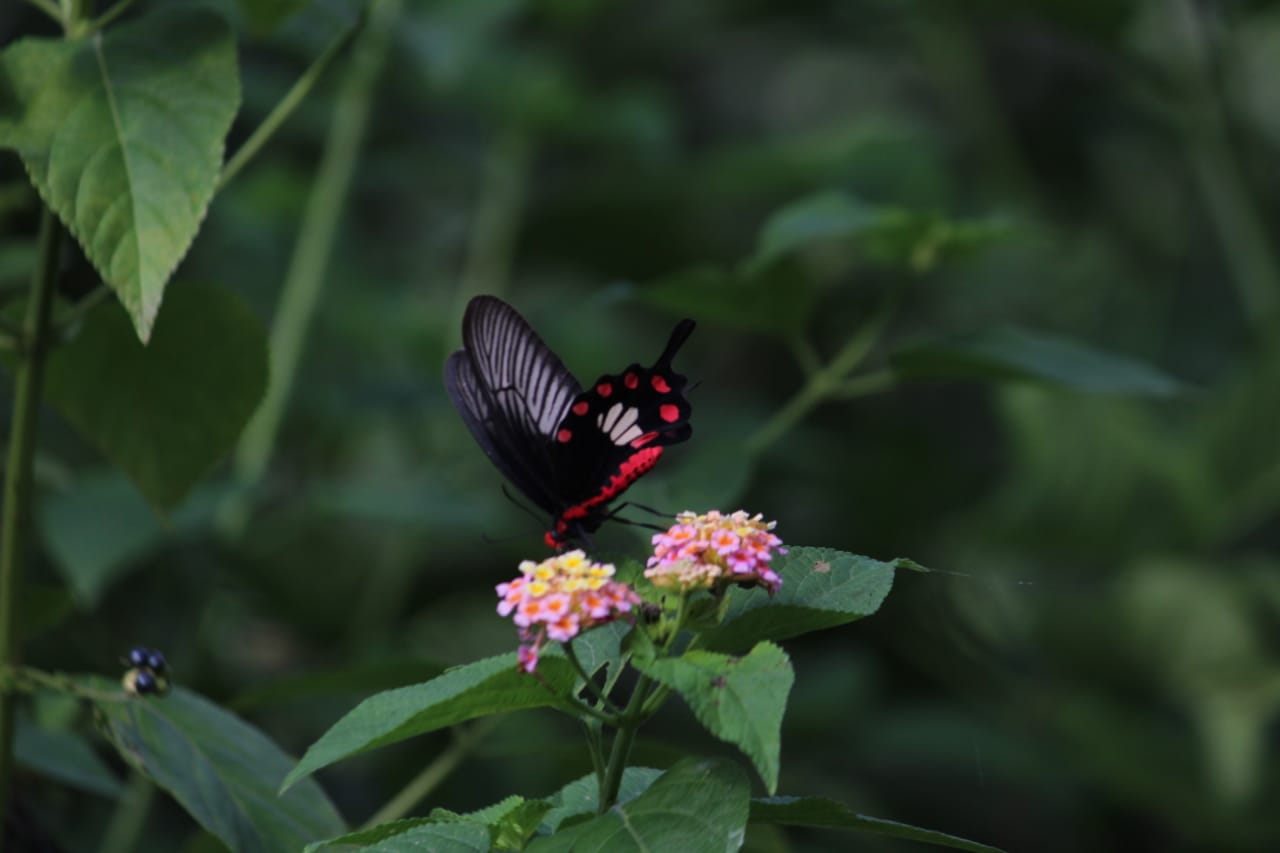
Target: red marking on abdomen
{"x": 581, "y": 408}
{"x": 564, "y": 435}
{"x": 659, "y": 384}
{"x": 631, "y": 380}
{"x": 633, "y": 468}
{"x": 604, "y": 389}
{"x": 669, "y": 412}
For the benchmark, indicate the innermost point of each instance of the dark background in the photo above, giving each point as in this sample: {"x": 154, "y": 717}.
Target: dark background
{"x": 1095, "y": 665}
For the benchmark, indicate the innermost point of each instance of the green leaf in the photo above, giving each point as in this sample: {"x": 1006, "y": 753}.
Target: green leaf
{"x": 740, "y": 700}
{"x": 821, "y": 588}
{"x": 823, "y": 216}
{"x": 818, "y": 811}
{"x": 490, "y": 686}
{"x": 582, "y": 795}
{"x": 1011, "y": 353}
{"x": 354, "y": 679}
{"x": 265, "y": 15}
{"x": 223, "y": 771}
{"x": 44, "y": 607}
{"x": 122, "y": 135}
{"x": 775, "y": 300}
{"x": 695, "y": 806}
{"x": 164, "y": 413}
{"x": 888, "y": 235}
{"x": 65, "y": 756}
{"x": 101, "y": 527}
{"x": 413, "y": 835}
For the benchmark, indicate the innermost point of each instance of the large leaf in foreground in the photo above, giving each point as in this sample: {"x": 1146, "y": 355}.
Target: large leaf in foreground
{"x": 821, "y": 588}
{"x": 122, "y": 134}
{"x": 1010, "y": 353}
{"x": 413, "y": 835}
{"x": 695, "y": 806}
{"x": 488, "y": 686}
{"x": 582, "y": 795}
{"x": 164, "y": 413}
{"x": 222, "y": 770}
{"x": 819, "y": 811}
{"x": 740, "y": 700}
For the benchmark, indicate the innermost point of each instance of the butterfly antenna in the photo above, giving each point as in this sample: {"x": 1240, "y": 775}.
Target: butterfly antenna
{"x": 527, "y": 509}
{"x": 642, "y": 507}
{"x": 679, "y": 335}
{"x": 630, "y": 523}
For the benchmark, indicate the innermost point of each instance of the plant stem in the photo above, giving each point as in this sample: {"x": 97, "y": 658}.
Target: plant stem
{"x": 828, "y": 381}
{"x": 130, "y": 816}
{"x": 1247, "y": 247}
{"x": 18, "y": 470}
{"x": 288, "y": 103}
{"x": 433, "y": 774}
{"x": 305, "y": 278}
{"x": 110, "y": 15}
{"x": 495, "y": 224}
{"x": 628, "y": 724}
{"x": 49, "y": 8}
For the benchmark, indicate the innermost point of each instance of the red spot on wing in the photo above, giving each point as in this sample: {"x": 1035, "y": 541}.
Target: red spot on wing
{"x": 604, "y": 389}
{"x": 660, "y": 385}
{"x": 669, "y": 412}
{"x": 581, "y": 408}
{"x": 564, "y": 435}
{"x": 631, "y": 381}
{"x": 644, "y": 439}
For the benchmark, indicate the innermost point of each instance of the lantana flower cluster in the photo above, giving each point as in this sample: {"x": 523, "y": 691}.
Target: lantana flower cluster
{"x": 560, "y": 598}
{"x": 703, "y": 551}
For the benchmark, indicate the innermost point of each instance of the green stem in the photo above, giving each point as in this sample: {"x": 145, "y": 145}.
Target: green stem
{"x": 288, "y": 103}
{"x": 305, "y": 278}
{"x": 496, "y": 222}
{"x": 130, "y": 816}
{"x": 49, "y": 8}
{"x": 433, "y": 774}
{"x": 77, "y": 312}
{"x": 826, "y": 381}
{"x": 109, "y": 16}
{"x": 1247, "y": 247}
{"x": 628, "y": 724}
{"x": 867, "y": 383}
{"x": 18, "y": 470}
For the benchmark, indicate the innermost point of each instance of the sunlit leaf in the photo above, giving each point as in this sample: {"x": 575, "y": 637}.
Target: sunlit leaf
{"x": 740, "y": 700}
{"x": 489, "y": 686}
{"x": 695, "y": 806}
{"x": 821, "y": 588}
{"x": 122, "y": 134}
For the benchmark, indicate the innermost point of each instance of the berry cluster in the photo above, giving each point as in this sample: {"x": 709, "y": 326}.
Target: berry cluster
{"x": 148, "y": 672}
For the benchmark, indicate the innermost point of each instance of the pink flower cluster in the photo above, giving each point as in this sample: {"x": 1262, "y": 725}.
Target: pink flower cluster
{"x": 701, "y": 551}
{"x": 560, "y": 598}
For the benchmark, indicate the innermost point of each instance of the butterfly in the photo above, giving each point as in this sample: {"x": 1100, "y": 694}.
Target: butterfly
{"x": 570, "y": 451}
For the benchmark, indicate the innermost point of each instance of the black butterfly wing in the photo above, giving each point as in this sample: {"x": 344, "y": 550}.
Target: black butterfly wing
{"x": 512, "y": 392}
{"x": 614, "y": 431}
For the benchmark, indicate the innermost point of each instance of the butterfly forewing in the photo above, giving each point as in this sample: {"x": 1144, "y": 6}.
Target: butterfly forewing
{"x": 511, "y": 391}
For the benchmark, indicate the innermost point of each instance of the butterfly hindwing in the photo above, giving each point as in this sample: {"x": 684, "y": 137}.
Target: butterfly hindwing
{"x": 615, "y": 430}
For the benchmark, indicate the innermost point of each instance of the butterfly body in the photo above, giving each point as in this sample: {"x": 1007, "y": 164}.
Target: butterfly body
{"x": 571, "y": 451}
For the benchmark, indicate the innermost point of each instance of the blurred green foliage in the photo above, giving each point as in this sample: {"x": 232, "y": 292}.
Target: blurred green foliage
{"x": 1055, "y": 224}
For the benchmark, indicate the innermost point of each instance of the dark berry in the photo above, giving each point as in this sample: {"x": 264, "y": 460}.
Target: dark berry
{"x": 138, "y": 656}
{"x": 144, "y": 682}
{"x": 156, "y": 662}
